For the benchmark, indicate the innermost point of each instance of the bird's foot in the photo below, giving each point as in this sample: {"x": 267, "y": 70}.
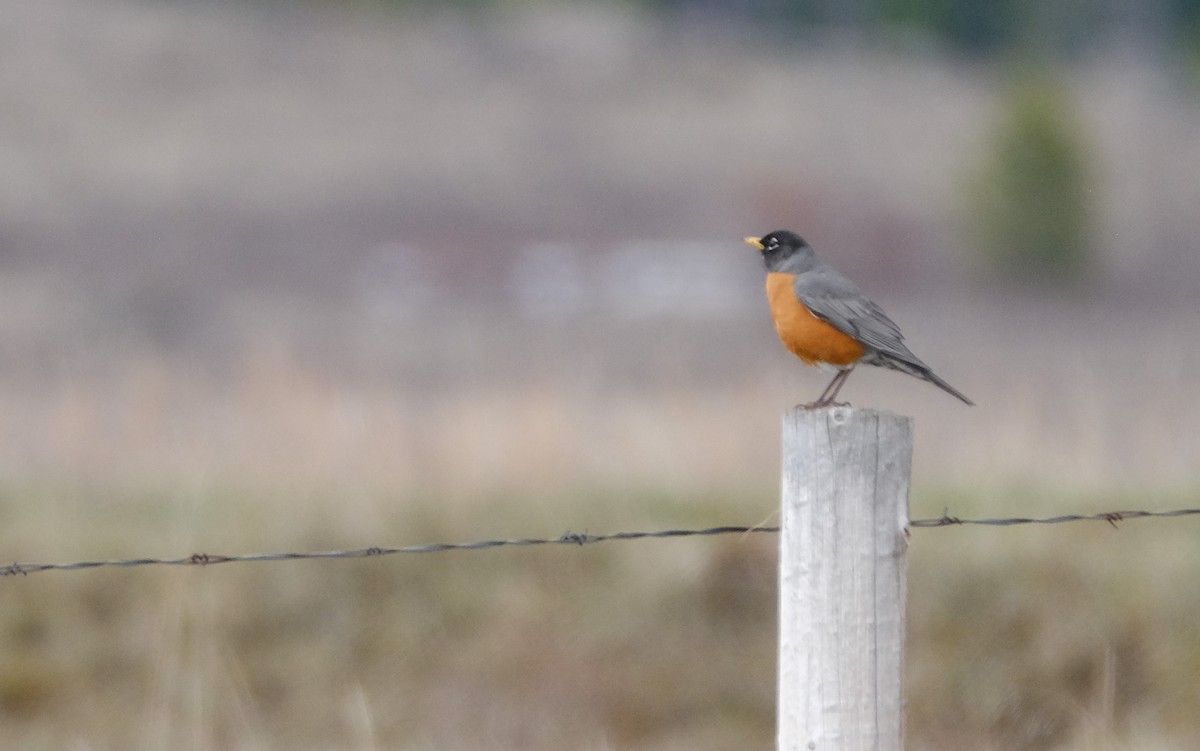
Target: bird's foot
{"x": 822, "y": 404}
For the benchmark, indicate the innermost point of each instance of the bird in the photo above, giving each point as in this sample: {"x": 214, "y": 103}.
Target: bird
{"x": 823, "y": 318}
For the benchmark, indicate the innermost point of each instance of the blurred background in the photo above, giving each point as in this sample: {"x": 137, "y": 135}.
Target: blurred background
{"x": 309, "y": 275}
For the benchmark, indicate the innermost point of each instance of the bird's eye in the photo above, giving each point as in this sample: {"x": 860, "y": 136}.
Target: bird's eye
{"x": 772, "y": 243}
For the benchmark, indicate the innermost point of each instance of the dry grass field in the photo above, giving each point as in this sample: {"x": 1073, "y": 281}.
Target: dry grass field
{"x": 1056, "y": 638}
{"x": 293, "y": 279}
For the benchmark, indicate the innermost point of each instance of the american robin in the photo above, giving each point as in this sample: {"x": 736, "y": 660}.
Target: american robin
{"x": 824, "y": 320}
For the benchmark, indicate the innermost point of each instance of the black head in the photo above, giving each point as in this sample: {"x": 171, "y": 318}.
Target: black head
{"x": 781, "y": 249}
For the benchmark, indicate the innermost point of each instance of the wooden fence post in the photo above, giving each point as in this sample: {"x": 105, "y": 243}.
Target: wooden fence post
{"x": 842, "y": 579}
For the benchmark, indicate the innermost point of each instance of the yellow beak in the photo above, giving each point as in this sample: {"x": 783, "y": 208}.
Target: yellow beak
{"x": 755, "y": 241}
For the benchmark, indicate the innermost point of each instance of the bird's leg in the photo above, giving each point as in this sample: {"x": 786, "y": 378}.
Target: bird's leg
{"x": 826, "y": 399}
{"x": 822, "y": 399}
{"x": 844, "y": 375}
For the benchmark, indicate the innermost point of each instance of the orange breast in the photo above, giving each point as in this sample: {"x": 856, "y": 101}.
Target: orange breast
{"x": 810, "y": 338}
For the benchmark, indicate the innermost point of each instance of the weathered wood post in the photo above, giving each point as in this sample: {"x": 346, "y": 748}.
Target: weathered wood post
{"x": 842, "y": 579}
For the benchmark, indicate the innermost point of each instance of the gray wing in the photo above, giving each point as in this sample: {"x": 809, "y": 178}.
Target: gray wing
{"x": 834, "y": 298}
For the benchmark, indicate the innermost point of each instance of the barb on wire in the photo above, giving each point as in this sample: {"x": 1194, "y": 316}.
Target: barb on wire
{"x": 567, "y": 538}
{"x": 208, "y": 559}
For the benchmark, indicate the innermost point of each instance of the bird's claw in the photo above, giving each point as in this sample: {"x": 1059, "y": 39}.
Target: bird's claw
{"x": 821, "y": 405}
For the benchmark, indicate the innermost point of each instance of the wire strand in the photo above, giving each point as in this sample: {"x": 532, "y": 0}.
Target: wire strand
{"x": 1112, "y": 517}
{"x": 567, "y": 538}
{"x": 207, "y": 559}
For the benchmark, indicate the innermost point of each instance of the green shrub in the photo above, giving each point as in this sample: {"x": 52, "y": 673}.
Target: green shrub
{"x": 1030, "y": 207}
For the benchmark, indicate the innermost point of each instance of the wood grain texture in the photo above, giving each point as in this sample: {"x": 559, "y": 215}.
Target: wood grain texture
{"x": 842, "y": 562}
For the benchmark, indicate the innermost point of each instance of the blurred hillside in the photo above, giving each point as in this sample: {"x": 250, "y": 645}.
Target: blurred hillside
{"x": 549, "y": 198}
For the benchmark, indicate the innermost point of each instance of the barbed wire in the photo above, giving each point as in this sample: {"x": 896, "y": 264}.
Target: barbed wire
{"x": 208, "y": 559}
{"x": 1112, "y": 517}
{"x": 568, "y": 538}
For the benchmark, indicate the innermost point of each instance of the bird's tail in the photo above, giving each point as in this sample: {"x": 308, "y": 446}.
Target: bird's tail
{"x": 915, "y": 367}
{"x": 929, "y": 376}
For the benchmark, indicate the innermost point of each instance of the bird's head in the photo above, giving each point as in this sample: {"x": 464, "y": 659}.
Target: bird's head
{"x": 783, "y": 251}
